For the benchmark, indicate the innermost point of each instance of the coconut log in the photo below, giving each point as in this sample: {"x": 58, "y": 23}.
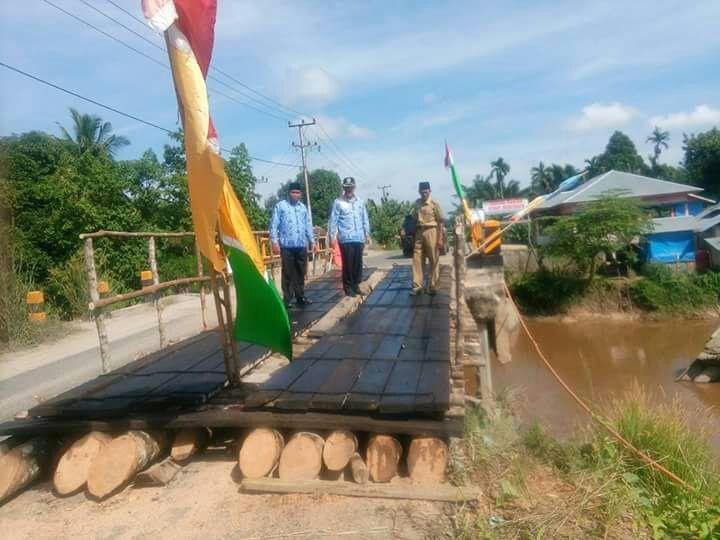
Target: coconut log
{"x": 383, "y": 455}
{"x": 427, "y": 459}
{"x": 339, "y": 448}
{"x": 187, "y": 443}
{"x": 71, "y": 472}
{"x": 120, "y": 460}
{"x": 301, "y": 459}
{"x": 21, "y": 465}
{"x": 358, "y": 469}
{"x": 260, "y": 452}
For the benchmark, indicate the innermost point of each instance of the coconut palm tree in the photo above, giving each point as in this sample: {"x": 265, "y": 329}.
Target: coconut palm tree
{"x": 541, "y": 179}
{"x": 499, "y": 169}
{"x": 593, "y": 166}
{"x": 90, "y": 133}
{"x": 659, "y": 140}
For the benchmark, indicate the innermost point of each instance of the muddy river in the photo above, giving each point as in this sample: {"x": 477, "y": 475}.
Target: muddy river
{"x": 600, "y": 359}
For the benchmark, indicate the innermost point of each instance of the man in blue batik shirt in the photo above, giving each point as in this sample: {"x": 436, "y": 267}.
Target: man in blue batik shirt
{"x": 291, "y": 233}
{"x": 349, "y": 224}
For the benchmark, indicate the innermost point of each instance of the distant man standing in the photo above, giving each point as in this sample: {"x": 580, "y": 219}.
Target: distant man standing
{"x": 291, "y": 233}
{"x": 349, "y": 224}
{"x": 429, "y": 238}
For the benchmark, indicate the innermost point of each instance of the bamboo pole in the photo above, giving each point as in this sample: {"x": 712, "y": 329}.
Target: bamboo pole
{"x": 151, "y": 289}
{"x": 97, "y": 314}
{"x": 459, "y": 289}
{"x": 203, "y": 302}
{"x": 156, "y": 296}
{"x": 124, "y": 234}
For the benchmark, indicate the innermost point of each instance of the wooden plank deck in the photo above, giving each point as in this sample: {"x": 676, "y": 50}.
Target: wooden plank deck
{"x": 392, "y": 356}
{"x": 184, "y": 375}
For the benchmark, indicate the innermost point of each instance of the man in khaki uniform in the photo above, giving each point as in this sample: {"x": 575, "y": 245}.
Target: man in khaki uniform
{"x": 429, "y": 238}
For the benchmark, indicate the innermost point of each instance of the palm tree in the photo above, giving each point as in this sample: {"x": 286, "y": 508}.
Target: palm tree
{"x": 593, "y": 166}
{"x": 500, "y": 169}
{"x": 541, "y": 179}
{"x": 659, "y": 140}
{"x": 90, "y": 133}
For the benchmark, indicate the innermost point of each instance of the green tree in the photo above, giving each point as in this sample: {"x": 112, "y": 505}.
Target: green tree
{"x": 540, "y": 179}
{"x": 243, "y": 181}
{"x": 499, "y": 168}
{"x": 659, "y": 139}
{"x": 607, "y": 225}
{"x": 593, "y": 166}
{"x": 325, "y": 187}
{"x": 702, "y": 159}
{"x": 484, "y": 189}
{"x": 621, "y": 155}
{"x": 386, "y": 219}
{"x": 91, "y": 134}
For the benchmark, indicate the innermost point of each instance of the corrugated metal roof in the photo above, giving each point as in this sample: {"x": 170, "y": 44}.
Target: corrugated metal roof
{"x": 703, "y": 225}
{"x": 714, "y": 243}
{"x": 674, "y": 224}
{"x": 626, "y": 184}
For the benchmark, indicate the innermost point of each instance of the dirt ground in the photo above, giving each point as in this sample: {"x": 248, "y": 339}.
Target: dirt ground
{"x": 203, "y": 501}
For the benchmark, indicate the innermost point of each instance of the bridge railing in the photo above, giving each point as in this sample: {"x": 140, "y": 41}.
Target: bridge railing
{"x": 153, "y": 287}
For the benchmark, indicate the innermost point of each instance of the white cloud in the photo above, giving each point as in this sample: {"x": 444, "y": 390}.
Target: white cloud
{"x": 602, "y": 116}
{"x": 310, "y": 85}
{"x": 702, "y": 115}
{"x": 341, "y": 128}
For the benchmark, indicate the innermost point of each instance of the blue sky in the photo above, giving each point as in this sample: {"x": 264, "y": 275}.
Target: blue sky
{"x": 389, "y": 81}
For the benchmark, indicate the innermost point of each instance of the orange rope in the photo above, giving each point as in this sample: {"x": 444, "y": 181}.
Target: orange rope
{"x": 627, "y": 444}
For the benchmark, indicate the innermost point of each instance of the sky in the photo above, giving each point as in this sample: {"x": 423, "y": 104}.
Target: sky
{"x": 387, "y": 81}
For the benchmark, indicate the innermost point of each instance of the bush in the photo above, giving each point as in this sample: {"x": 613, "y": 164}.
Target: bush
{"x": 547, "y": 291}
{"x": 662, "y": 290}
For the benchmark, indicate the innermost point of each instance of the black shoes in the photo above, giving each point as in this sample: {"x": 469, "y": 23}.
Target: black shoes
{"x": 302, "y": 301}
{"x": 351, "y": 293}
{"x": 357, "y": 291}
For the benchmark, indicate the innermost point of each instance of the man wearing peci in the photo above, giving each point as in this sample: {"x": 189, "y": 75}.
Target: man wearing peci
{"x": 429, "y": 238}
{"x": 350, "y": 226}
{"x": 291, "y": 233}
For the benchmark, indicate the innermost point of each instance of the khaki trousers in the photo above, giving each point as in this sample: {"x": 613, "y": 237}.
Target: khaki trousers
{"x": 426, "y": 246}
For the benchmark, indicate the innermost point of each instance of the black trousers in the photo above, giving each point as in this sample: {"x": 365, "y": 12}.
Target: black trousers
{"x": 351, "y": 254}
{"x": 294, "y": 267}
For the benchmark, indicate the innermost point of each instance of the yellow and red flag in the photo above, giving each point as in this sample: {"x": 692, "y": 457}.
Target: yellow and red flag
{"x": 189, "y": 28}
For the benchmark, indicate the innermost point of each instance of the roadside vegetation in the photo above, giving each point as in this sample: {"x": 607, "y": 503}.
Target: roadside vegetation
{"x": 592, "y": 487}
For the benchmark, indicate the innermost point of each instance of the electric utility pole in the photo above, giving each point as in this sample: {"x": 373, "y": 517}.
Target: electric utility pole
{"x": 384, "y": 190}
{"x": 302, "y": 146}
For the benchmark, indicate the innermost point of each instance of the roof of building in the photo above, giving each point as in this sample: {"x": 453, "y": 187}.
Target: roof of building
{"x": 713, "y": 243}
{"x": 623, "y": 183}
{"x": 673, "y": 224}
{"x": 703, "y": 225}
{"x": 713, "y": 209}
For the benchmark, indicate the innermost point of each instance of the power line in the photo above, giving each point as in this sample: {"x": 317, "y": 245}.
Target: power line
{"x": 118, "y": 111}
{"x": 341, "y": 153}
{"x": 276, "y": 104}
{"x": 159, "y": 62}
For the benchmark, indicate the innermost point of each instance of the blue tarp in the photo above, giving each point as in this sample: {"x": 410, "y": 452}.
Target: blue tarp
{"x": 693, "y": 207}
{"x": 671, "y": 247}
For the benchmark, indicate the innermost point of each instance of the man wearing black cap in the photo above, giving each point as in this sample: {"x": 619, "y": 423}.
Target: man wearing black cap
{"x": 429, "y": 238}
{"x": 349, "y": 224}
{"x": 291, "y": 232}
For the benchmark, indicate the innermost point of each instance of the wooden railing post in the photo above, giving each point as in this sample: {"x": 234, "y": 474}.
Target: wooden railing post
{"x": 459, "y": 289}
{"x": 96, "y": 313}
{"x": 156, "y": 297}
{"x": 203, "y": 305}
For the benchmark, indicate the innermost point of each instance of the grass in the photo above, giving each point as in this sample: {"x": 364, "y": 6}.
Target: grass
{"x": 539, "y": 487}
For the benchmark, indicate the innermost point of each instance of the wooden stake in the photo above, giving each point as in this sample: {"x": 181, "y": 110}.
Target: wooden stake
{"x": 359, "y": 470}
{"x": 156, "y": 297}
{"x": 71, "y": 472}
{"x": 21, "y": 465}
{"x": 260, "y": 452}
{"x": 120, "y": 460}
{"x": 427, "y": 459}
{"x": 339, "y": 448}
{"x": 97, "y": 313}
{"x": 301, "y": 458}
{"x": 383, "y": 455}
{"x": 187, "y": 443}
